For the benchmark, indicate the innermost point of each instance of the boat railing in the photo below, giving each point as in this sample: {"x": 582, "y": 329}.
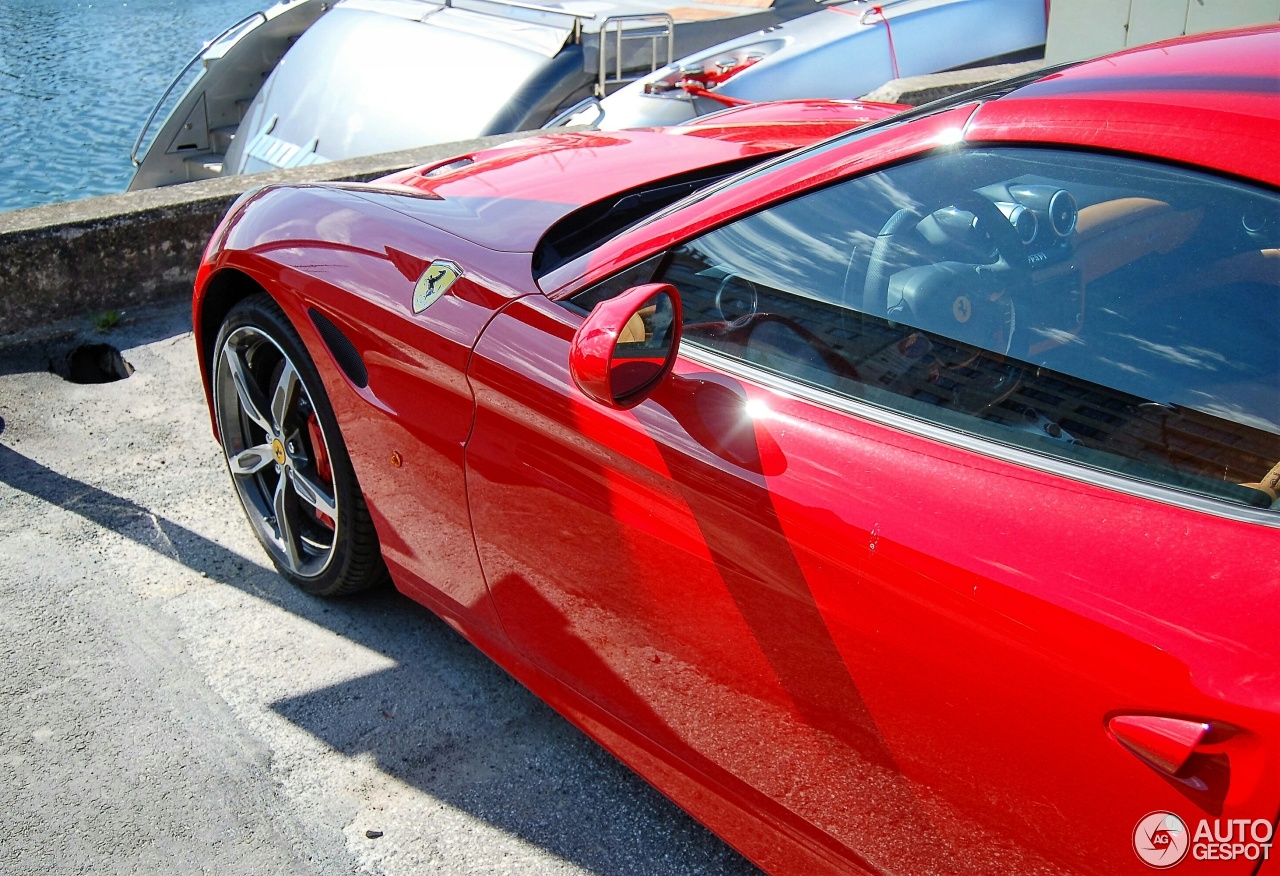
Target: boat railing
{"x": 532, "y": 7}
{"x": 623, "y": 30}
{"x": 561, "y": 118}
{"x": 578, "y": 17}
{"x": 662, "y": 31}
{"x": 155, "y": 111}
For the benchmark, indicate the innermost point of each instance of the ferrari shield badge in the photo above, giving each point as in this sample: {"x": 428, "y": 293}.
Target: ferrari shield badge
{"x": 433, "y": 283}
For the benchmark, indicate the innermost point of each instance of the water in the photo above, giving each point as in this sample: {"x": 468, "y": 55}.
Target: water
{"x": 77, "y": 80}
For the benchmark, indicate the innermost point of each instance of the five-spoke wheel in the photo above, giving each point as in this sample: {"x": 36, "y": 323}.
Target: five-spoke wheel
{"x": 285, "y": 454}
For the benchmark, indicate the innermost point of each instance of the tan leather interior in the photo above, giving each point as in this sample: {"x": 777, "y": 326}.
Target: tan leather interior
{"x": 1256, "y": 266}
{"x": 1115, "y": 233}
{"x": 1097, "y": 219}
{"x": 1270, "y": 483}
{"x": 633, "y": 332}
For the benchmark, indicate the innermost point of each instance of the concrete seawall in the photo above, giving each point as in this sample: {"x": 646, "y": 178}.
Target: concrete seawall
{"x": 117, "y": 251}
{"x": 917, "y": 90}
{"x": 110, "y": 253}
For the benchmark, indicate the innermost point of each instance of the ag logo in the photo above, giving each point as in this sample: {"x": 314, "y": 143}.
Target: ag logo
{"x": 1161, "y": 840}
{"x": 961, "y": 309}
{"x": 433, "y": 283}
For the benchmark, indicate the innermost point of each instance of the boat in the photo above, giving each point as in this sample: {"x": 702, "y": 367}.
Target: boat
{"x": 845, "y": 50}
{"x": 308, "y": 81}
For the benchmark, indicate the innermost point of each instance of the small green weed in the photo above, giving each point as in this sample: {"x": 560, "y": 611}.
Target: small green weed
{"x": 106, "y": 319}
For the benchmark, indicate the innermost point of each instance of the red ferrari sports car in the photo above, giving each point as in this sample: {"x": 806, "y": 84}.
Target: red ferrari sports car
{"x": 906, "y": 502}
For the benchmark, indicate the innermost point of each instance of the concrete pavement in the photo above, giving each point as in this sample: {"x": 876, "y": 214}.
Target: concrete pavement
{"x": 173, "y": 706}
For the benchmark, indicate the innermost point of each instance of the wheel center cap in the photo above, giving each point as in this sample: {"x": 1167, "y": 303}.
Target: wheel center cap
{"x": 277, "y": 450}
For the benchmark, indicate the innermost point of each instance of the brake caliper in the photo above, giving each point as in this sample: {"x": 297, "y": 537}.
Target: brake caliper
{"x": 323, "y": 468}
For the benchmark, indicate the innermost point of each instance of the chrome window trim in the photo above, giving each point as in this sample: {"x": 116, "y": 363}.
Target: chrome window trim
{"x": 786, "y": 386}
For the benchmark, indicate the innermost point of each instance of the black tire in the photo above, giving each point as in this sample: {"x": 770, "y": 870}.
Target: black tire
{"x": 286, "y": 456}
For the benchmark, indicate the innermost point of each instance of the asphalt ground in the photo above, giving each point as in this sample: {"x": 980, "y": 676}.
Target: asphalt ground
{"x": 171, "y": 705}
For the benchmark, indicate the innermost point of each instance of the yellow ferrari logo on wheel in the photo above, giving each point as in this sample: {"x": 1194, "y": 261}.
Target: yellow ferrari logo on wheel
{"x": 433, "y": 283}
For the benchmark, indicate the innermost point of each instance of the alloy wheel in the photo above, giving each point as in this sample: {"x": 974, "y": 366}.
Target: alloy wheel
{"x": 276, "y": 451}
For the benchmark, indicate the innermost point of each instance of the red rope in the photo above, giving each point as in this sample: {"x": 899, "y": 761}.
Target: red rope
{"x": 893, "y": 53}
{"x": 697, "y": 89}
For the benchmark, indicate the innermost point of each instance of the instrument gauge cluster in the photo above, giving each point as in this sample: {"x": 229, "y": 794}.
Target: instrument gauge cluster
{"x": 1054, "y": 209}
{"x": 1023, "y": 220}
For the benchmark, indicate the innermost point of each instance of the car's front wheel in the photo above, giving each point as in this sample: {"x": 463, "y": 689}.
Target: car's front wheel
{"x": 286, "y": 456}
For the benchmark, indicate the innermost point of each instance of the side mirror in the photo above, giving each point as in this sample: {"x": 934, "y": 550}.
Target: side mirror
{"x": 627, "y": 345}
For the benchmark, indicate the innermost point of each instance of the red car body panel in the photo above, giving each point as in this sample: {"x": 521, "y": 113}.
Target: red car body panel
{"x": 542, "y": 178}
{"x": 846, "y": 642}
{"x": 418, "y": 403}
{"x": 831, "y": 163}
{"x": 789, "y": 119}
{"x": 674, "y": 577}
{"x": 1181, "y": 105}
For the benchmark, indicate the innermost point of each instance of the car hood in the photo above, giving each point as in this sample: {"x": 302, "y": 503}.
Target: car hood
{"x": 506, "y": 197}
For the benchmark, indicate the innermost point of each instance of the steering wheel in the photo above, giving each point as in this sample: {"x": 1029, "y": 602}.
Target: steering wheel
{"x": 737, "y": 300}
{"x": 982, "y": 311}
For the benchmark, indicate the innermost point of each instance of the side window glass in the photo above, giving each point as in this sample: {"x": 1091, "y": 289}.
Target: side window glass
{"x": 636, "y": 275}
{"x": 1098, "y": 309}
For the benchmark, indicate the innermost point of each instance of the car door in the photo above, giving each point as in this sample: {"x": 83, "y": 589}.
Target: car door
{"x": 948, "y": 545}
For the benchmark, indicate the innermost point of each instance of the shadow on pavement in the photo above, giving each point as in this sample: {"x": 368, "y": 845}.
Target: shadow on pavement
{"x": 445, "y": 719}
{"x": 46, "y": 349}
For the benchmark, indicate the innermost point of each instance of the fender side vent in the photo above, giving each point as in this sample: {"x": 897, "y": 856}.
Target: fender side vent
{"x": 344, "y": 352}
